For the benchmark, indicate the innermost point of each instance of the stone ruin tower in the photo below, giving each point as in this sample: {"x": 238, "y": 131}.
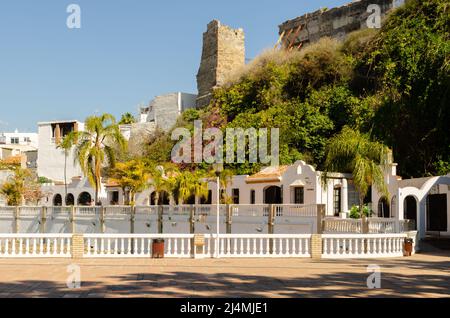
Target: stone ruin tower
{"x": 223, "y": 53}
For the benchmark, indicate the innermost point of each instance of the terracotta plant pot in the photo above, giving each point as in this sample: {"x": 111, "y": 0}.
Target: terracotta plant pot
{"x": 409, "y": 246}
{"x": 158, "y": 248}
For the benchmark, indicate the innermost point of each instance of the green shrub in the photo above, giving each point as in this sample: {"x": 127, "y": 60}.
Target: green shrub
{"x": 355, "y": 213}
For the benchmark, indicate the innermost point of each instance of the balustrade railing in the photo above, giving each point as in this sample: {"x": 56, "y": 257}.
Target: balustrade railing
{"x": 362, "y": 245}
{"x": 256, "y": 245}
{"x": 331, "y": 225}
{"x": 35, "y": 245}
{"x": 135, "y": 245}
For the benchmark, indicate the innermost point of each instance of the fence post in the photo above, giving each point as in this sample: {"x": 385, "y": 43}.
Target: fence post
{"x": 160, "y": 219}
{"x": 16, "y": 219}
{"x": 320, "y": 218}
{"x": 77, "y": 247}
{"x": 43, "y": 219}
{"x": 102, "y": 219}
{"x": 316, "y": 246}
{"x": 365, "y": 225}
{"x": 365, "y": 230}
{"x": 132, "y": 214}
{"x": 132, "y": 218}
{"x": 72, "y": 219}
{"x": 271, "y": 226}
{"x": 271, "y": 222}
{"x": 229, "y": 217}
{"x": 192, "y": 213}
{"x": 192, "y": 219}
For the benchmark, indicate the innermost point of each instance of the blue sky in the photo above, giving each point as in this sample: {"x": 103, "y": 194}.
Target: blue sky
{"x": 126, "y": 52}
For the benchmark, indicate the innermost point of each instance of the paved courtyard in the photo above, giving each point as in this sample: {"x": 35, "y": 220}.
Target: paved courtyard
{"x": 423, "y": 275}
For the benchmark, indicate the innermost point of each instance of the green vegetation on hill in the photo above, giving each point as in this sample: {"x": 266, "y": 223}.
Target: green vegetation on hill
{"x": 391, "y": 84}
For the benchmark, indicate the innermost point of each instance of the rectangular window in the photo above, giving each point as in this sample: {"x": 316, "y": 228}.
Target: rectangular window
{"x": 337, "y": 201}
{"x": 235, "y": 196}
{"x": 15, "y": 140}
{"x": 115, "y": 197}
{"x": 299, "y": 195}
{"x": 252, "y": 197}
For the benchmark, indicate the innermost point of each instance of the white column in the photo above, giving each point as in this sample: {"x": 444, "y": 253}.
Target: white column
{"x": 344, "y": 201}
{"x": 400, "y": 213}
{"x": 330, "y": 190}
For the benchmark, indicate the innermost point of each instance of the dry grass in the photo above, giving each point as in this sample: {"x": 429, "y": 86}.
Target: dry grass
{"x": 281, "y": 57}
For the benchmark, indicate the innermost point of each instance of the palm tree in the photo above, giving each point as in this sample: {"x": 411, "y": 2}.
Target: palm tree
{"x": 163, "y": 179}
{"x": 66, "y": 145}
{"x": 95, "y": 147}
{"x": 225, "y": 178}
{"x": 352, "y": 151}
{"x": 133, "y": 177}
{"x": 127, "y": 119}
{"x": 192, "y": 184}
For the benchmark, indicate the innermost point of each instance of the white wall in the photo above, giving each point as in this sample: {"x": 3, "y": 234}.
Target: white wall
{"x": 51, "y": 159}
{"x": 34, "y": 140}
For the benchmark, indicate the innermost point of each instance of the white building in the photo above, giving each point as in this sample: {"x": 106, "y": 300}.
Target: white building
{"x": 51, "y": 160}
{"x": 425, "y": 200}
{"x": 18, "y": 138}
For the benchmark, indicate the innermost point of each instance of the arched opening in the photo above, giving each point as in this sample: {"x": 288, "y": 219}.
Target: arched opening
{"x": 70, "y": 199}
{"x": 163, "y": 198}
{"x": 272, "y": 195}
{"x": 383, "y": 208}
{"x": 84, "y": 199}
{"x": 57, "y": 200}
{"x": 410, "y": 209}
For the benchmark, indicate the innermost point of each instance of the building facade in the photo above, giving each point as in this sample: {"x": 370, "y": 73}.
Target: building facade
{"x": 19, "y": 139}
{"x": 164, "y": 110}
{"x": 52, "y": 162}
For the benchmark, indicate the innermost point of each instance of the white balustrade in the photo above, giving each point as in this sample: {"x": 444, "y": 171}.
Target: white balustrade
{"x": 87, "y": 210}
{"x": 332, "y": 225}
{"x": 35, "y": 245}
{"x": 299, "y": 210}
{"x": 362, "y": 245}
{"x": 382, "y": 226}
{"x": 30, "y": 211}
{"x": 135, "y": 245}
{"x": 250, "y": 210}
{"x": 259, "y": 245}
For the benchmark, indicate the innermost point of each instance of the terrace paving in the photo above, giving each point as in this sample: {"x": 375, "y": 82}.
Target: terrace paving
{"x": 423, "y": 275}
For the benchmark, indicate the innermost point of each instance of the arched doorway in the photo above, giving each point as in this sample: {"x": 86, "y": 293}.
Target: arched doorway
{"x": 57, "y": 200}
{"x": 383, "y": 208}
{"x": 272, "y": 195}
{"x": 84, "y": 199}
{"x": 70, "y": 199}
{"x": 410, "y": 209}
{"x": 163, "y": 198}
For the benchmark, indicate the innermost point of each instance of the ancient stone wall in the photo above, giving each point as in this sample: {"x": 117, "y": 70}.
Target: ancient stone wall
{"x": 335, "y": 22}
{"x": 223, "y": 53}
